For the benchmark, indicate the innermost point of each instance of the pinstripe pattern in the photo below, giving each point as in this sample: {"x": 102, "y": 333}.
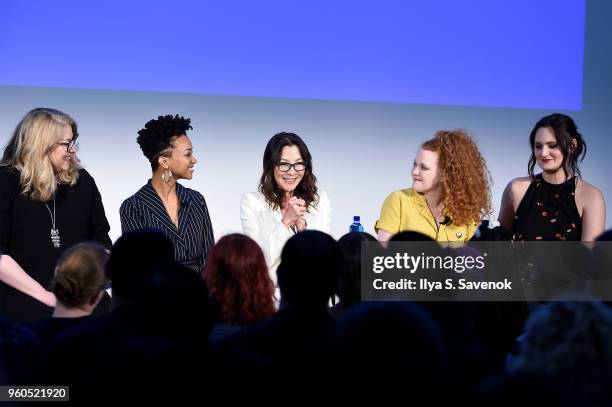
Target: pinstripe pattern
{"x": 194, "y": 237}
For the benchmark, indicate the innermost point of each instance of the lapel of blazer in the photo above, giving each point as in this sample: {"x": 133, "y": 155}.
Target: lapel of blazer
{"x": 185, "y": 202}
{"x": 153, "y": 203}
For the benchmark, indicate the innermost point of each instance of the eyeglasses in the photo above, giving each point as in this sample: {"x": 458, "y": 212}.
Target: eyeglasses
{"x": 70, "y": 145}
{"x": 285, "y": 167}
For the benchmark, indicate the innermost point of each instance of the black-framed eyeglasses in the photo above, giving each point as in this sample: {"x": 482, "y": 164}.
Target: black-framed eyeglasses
{"x": 285, "y": 167}
{"x": 70, "y": 145}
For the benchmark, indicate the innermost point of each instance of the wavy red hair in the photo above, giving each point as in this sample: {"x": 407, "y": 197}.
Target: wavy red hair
{"x": 465, "y": 179}
{"x": 237, "y": 278}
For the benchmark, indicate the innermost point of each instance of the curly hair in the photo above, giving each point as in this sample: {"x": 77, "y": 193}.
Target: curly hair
{"x": 238, "y": 281}
{"x": 465, "y": 179}
{"x": 155, "y": 139}
{"x": 570, "y": 142}
{"x": 306, "y": 189}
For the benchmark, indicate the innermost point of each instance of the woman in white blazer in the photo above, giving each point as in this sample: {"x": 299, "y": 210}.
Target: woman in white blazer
{"x": 288, "y": 200}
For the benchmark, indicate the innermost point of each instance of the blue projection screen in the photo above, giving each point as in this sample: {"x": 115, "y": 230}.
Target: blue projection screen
{"x": 519, "y": 53}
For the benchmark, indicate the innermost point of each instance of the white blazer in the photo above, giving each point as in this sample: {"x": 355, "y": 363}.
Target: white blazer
{"x": 264, "y": 225}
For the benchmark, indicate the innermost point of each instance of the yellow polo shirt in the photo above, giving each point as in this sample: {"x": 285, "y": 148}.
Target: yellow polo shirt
{"x": 407, "y": 210}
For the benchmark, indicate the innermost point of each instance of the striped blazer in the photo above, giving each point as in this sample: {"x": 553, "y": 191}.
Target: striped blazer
{"x": 194, "y": 236}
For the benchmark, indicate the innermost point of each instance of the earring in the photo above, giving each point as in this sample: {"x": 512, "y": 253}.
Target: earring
{"x": 166, "y": 175}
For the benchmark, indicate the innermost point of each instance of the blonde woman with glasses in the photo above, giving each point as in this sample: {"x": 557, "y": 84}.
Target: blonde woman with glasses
{"x": 48, "y": 202}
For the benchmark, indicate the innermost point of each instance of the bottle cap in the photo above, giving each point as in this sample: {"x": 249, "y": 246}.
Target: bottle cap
{"x": 356, "y": 218}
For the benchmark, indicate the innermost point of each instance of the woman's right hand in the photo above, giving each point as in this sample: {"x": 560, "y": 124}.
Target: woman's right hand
{"x": 48, "y": 299}
{"x": 294, "y": 210}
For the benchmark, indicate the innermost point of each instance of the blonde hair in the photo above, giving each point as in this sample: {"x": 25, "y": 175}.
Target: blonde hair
{"x": 28, "y": 151}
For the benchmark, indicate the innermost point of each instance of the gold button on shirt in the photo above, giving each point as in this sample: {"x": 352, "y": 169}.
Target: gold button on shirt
{"x": 407, "y": 210}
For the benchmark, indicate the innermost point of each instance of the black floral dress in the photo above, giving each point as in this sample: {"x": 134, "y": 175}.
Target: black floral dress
{"x": 548, "y": 212}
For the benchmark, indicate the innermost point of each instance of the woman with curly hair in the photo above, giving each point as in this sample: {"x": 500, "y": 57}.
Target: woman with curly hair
{"x": 556, "y": 204}
{"x": 47, "y": 202}
{"x": 288, "y": 200}
{"x": 238, "y": 283}
{"x": 163, "y": 204}
{"x": 450, "y": 192}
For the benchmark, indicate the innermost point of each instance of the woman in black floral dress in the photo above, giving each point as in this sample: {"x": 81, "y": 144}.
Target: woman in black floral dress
{"x": 556, "y": 204}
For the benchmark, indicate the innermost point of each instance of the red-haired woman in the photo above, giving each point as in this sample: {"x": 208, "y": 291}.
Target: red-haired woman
{"x": 239, "y": 284}
{"x": 450, "y": 192}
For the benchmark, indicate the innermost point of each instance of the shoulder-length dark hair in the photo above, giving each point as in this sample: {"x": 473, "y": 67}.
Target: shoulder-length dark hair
{"x": 306, "y": 189}
{"x": 238, "y": 280}
{"x": 565, "y": 131}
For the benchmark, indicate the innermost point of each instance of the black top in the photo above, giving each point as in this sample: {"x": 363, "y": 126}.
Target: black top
{"x": 223, "y": 330}
{"x": 292, "y": 339}
{"x": 20, "y": 354}
{"x": 194, "y": 236}
{"x": 25, "y": 227}
{"x": 49, "y": 328}
{"x": 548, "y": 212}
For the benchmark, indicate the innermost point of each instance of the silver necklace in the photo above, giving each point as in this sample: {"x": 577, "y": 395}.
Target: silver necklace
{"x": 55, "y": 237}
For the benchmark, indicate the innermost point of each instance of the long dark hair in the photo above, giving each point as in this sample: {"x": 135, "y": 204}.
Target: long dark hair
{"x": 306, "y": 189}
{"x": 565, "y": 131}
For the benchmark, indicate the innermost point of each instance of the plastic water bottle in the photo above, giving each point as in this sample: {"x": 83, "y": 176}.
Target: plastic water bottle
{"x": 356, "y": 226}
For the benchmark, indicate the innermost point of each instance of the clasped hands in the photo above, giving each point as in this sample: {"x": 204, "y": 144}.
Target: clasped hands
{"x": 293, "y": 213}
